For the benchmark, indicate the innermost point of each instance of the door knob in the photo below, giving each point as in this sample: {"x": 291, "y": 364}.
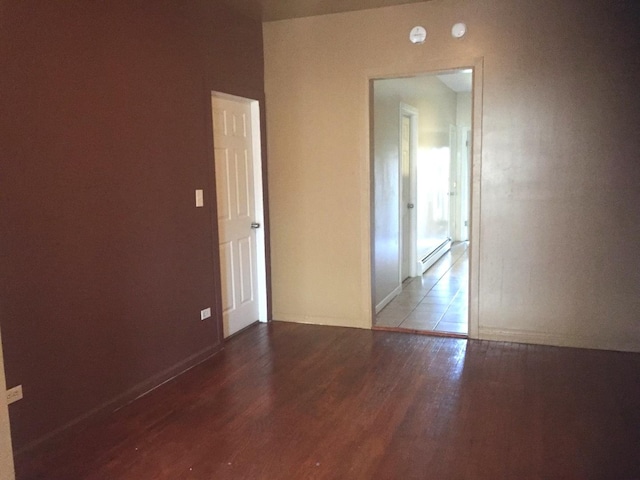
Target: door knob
{"x": 255, "y": 225}
{"x": 410, "y": 205}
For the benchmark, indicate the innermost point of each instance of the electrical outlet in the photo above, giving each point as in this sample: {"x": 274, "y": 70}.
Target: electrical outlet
{"x": 14, "y": 394}
{"x": 206, "y": 313}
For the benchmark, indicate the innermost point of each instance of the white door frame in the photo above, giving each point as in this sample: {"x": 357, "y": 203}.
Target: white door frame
{"x": 454, "y": 185}
{"x": 412, "y": 113}
{"x": 258, "y": 185}
{"x": 461, "y": 160}
{"x": 461, "y": 199}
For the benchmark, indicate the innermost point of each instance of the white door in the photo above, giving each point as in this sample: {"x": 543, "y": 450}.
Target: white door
{"x": 454, "y": 210}
{"x": 233, "y": 142}
{"x": 465, "y": 185}
{"x": 405, "y": 200}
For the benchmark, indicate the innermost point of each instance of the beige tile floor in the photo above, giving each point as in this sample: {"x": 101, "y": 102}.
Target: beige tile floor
{"x": 436, "y": 301}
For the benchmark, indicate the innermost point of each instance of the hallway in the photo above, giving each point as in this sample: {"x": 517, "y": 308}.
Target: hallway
{"x": 437, "y": 301}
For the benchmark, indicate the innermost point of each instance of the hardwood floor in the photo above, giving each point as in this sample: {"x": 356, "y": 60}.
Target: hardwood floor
{"x": 289, "y": 401}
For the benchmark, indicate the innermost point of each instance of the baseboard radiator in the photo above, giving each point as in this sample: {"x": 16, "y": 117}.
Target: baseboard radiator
{"x": 428, "y": 260}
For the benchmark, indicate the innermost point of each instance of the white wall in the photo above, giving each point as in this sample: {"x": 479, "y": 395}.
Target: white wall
{"x": 386, "y": 196}
{"x": 463, "y": 123}
{"x": 436, "y": 105}
{"x": 438, "y": 114}
{"x": 555, "y": 159}
{"x": 463, "y": 109}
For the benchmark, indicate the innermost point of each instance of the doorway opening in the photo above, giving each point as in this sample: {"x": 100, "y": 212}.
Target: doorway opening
{"x": 421, "y": 182}
{"x": 240, "y": 210}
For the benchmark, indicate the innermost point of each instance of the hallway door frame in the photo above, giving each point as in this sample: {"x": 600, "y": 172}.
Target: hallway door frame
{"x": 408, "y": 188}
{"x": 434, "y": 67}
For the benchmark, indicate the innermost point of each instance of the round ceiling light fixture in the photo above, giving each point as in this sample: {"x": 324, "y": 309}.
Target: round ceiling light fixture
{"x": 458, "y": 30}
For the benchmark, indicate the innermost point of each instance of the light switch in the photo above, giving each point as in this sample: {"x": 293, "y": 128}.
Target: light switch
{"x": 206, "y": 313}
{"x": 199, "y": 198}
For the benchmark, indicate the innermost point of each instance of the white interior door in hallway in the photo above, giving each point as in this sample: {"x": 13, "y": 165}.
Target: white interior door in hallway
{"x": 238, "y": 186}
{"x": 408, "y": 148}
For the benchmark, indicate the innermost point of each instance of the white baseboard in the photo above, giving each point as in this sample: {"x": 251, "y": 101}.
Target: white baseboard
{"x": 385, "y": 301}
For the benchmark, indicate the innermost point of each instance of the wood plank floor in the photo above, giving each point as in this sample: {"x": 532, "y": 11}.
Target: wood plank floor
{"x": 288, "y": 401}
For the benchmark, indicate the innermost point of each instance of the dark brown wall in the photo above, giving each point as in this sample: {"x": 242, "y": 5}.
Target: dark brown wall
{"x": 106, "y": 133}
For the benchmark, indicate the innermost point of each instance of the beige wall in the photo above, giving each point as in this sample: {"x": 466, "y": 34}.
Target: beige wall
{"x": 557, "y": 229}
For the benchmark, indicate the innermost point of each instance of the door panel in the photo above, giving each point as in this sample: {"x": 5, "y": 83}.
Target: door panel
{"x": 236, "y": 211}
{"x": 246, "y": 269}
{"x": 405, "y": 171}
{"x": 226, "y": 265}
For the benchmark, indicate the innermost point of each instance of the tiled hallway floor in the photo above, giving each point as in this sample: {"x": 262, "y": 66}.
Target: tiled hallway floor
{"x": 436, "y": 301}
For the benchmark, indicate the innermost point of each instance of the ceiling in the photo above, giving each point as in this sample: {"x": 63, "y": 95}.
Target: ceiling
{"x": 270, "y": 10}
{"x": 458, "y": 81}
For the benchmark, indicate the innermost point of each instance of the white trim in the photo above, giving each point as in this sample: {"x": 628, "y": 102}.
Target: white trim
{"x": 454, "y": 192}
{"x": 475, "y": 197}
{"x": 386, "y": 300}
{"x": 464, "y": 182}
{"x": 412, "y": 113}
{"x": 258, "y": 185}
{"x": 430, "y": 67}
